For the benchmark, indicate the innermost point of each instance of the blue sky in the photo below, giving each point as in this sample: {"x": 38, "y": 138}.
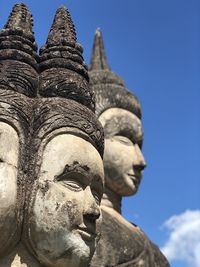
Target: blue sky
{"x": 155, "y": 47}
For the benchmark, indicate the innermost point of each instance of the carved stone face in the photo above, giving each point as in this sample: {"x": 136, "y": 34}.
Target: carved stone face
{"x": 123, "y": 159}
{"x": 64, "y": 226}
{"x": 9, "y": 154}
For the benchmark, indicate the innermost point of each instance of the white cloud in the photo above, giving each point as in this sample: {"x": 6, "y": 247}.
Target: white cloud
{"x": 184, "y": 238}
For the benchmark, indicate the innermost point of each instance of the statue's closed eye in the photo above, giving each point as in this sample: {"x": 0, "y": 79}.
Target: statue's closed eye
{"x": 75, "y": 181}
{"x": 124, "y": 140}
{"x": 72, "y": 185}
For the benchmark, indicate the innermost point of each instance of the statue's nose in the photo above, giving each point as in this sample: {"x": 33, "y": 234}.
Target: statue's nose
{"x": 92, "y": 215}
{"x": 91, "y": 208}
{"x": 140, "y": 162}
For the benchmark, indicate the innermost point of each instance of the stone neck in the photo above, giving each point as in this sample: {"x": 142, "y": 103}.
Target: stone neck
{"x": 19, "y": 257}
{"x": 111, "y": 200}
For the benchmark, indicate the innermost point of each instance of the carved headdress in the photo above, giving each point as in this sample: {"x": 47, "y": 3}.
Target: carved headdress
{"x": 109, "y": 88}
{"x": 18, "y": 53}
{"x": 63, "y": 71}
{"x": 111, "y": 93}
{"x": 66, "y": 98}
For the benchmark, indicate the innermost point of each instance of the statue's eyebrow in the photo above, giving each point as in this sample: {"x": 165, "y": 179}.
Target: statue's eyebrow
{"x": 75, "y": 167}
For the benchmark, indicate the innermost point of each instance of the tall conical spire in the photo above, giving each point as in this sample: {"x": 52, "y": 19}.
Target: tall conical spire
{"x": 99, "y": 69}
{"x": 108, "y": 87}
{"x": 62, "y": 29}
{"x": 98, "y": 59}
{"x": 20, "y": 20}
{"x": 18, "y": 53}
{"x": 62, "y": 69}
{"x": 18, "y": 32}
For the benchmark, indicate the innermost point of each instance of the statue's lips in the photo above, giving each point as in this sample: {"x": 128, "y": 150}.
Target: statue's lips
{"x": 86, "y": 233}
{"x": 134, "y": 178}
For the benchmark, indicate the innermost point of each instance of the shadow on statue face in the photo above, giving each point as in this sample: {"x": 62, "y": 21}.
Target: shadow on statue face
{"x": 123, "y": 159}
{"x": 65, "y": 221}
{"x": 9, "y": 156}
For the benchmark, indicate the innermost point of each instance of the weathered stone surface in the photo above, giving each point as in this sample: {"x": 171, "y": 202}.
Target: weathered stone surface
{"x": 54, "y": 113}
{"x": 14, "y": 123}
{"x": 64, "y": 224}
{"x": 63, "y": 71}
{"x": 19, "y": 257}
{"x": 18, "y": 79}
{"x": 9, "y": 155}
{"x": 18, "y": 53}
{"x": 121, "y": 243}
{"x": 51, "y": 168}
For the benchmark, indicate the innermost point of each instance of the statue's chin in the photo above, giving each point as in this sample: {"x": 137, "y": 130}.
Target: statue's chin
{"x": 70, "y": 251}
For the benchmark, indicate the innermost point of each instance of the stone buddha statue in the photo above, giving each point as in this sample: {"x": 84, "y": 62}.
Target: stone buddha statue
{"x": 51, "y": 162}
{"x": 122, "y": 243}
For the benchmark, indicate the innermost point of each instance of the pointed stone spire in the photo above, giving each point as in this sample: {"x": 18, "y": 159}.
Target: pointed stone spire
{"x": 108, "y": 87}
{"x": 62, "y": 30}
{"x": 63, "y": 71}
{"x": 98, "y": 59}
{"x": 20, "y": 21}
{"x": 18, "y": 53}
{"x": 17, "y": 33}
{"x": 99, "y": 69}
